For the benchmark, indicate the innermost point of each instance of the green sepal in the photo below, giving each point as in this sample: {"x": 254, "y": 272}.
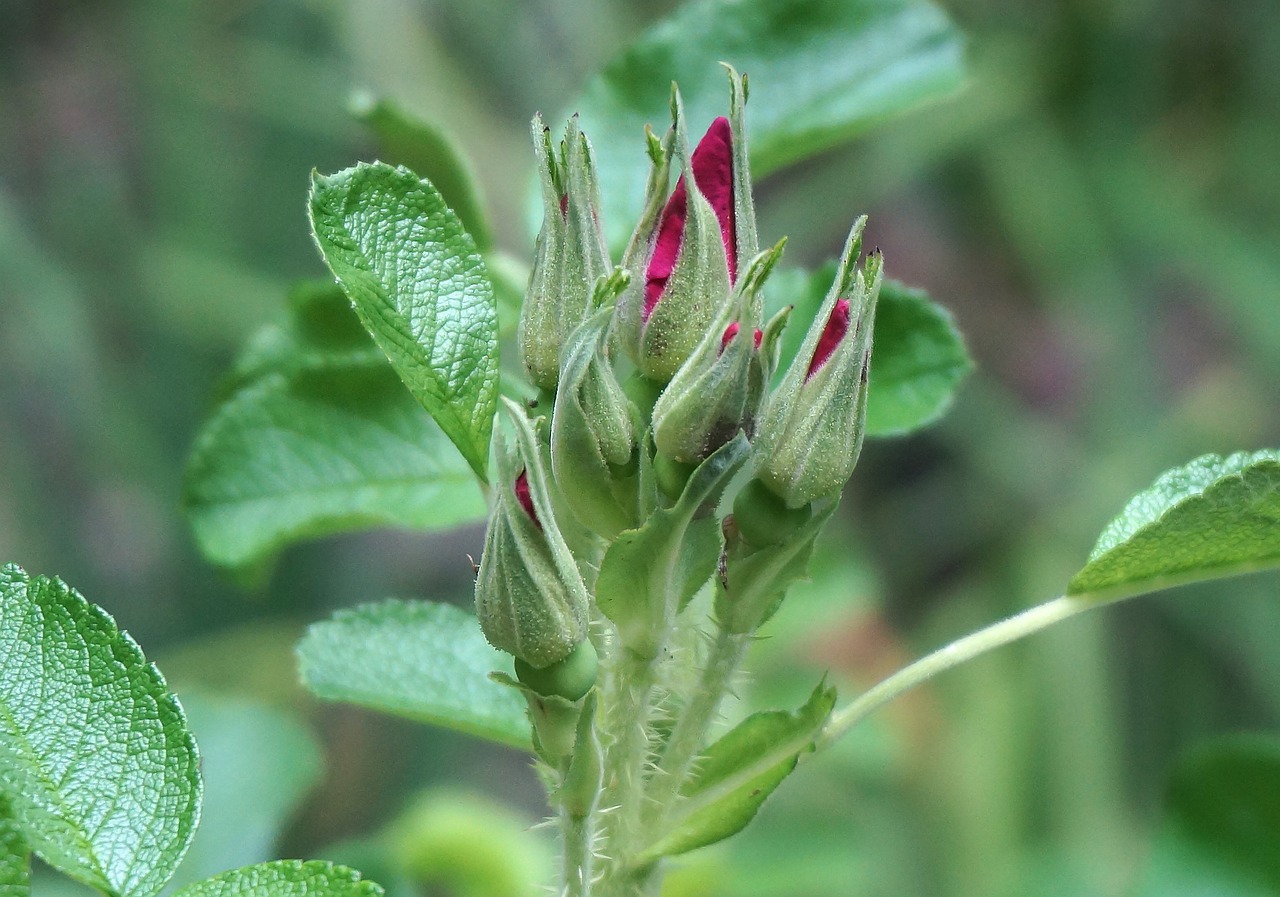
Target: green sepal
{"x": 697, "y": 288}
{"x": 635, "y": 257}
{"x": 738, "y": 772}
{"x": 649, "y": 573}
{"x": 530, "y": 598}
{"x": 753, "y": 582}
{"x": 811, "y": 429}
{"x": 710, "y": 397}
{"x": 570, "y": 254}
{"x": 554, "y": 720}
{"x": 594, "y": 424}
{"x": 579, "y": 791}
{"x": 744, "y": 206}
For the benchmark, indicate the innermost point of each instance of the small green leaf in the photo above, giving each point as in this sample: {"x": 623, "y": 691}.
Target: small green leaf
{"x": 285, "y": 878}
{"x": 424, "y": 148}
{"x": 421, "y": 288}
{"x": 738, "y": 772}
{"x": 821, "y": 73}
{"x": 753, "y": 586}
{"x": 918, "y": 358}
{"x": 258, "y": 764}
{"x": 425, "y": 661}
{"x": 1213, "y": 517}
{"x": 95, "y": 755}
{"x": 649, "y": 573}
{"x": 316, "y": 436}
{"x": 15, "y": 855}
{"x": 1222, "y": 823}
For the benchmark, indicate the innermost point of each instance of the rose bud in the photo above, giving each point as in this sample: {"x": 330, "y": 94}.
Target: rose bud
{"x": 810, "y": 433}
{"x": 570, "y": 254}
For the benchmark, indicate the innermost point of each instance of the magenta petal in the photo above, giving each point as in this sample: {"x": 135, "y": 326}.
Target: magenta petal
{"x": 713, "y": 173}
{"x": 665, "y": 248}
{"x": 835, "y": 330}
{"x": 525, "y": 499}
{"x": 729, "y": 333}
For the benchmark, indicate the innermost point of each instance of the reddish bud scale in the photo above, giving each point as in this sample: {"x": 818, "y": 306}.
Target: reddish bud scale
{"x": 836, "y": 329}
{"x": 564, "y": 205}
{"x": 712, "y": 165}
{"x": 525, "y": 499}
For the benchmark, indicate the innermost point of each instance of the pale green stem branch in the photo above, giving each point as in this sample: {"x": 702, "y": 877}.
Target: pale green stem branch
{"x": 970, "y": 646}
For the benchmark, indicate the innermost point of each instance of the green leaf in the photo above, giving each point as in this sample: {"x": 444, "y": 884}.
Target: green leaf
{"x": 424, "y": 148}
{"x": 1222, "y": 823}
{"x": 421, "y": 288}
{"x": 1213, "y": 517}
{"x": 650, "y": 572}
{"x": 95, "y": 755}
{"x": 15, "y": 855}
{"x": 821, "y": 73}
{"x": 258, "y": 764}
{"x": 285, "y": 878}
{"x": 918, "y": 359}
{"x": 425, "y": 661}
{"x": 738, "y": 772}
{"x": 315, "y": 436}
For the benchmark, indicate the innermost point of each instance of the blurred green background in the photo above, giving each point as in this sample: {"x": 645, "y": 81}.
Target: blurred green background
{"x": 1099, "y": 207}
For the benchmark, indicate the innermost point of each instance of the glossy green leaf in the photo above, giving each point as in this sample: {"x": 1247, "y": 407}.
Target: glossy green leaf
{"x": 821, "y": 73}
{"x": 15, "y": 855}
{"x": 95, "y": 754}
{"x": 425, "y": 661}
{"x": 424, "y": 148}
{"x": 420, "y": 287}
{"x": 1213, "y": 517}
{"x": 258, "y": 762}
{"x": 739, "y": 772}
{"x": 1222, "y": 823}
{"x": 918, "y": 358}
{"x": 285, "y": 878}
{"x": 316, "y": 436}
{"x": 649, "y": 573}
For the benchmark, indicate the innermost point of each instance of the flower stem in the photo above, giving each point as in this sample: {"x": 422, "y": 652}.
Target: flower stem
{"x": 625, "y": 731}
{"x": 970, "y": 646}
{"x": 690, "y": 731}
{"x": 578, "y": 833}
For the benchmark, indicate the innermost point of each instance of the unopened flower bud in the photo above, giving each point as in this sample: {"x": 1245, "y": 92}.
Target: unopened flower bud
{"x": 570, "y": 253}
{"x": 711, "y": 396}
{"x": 810, "y": 433}
{"x": 530, "y": 598}
{"x": 592, "y": 430}
{"x": 686, "y": 257}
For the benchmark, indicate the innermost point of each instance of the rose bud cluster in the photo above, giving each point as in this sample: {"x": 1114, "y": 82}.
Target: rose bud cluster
{"x": 660, "y": 380}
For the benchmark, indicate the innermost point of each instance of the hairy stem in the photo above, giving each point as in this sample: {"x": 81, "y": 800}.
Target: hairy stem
{"x": 696, "y": 718}
{"x": 579, "y": 833}
{"x": 625, "y": 732}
